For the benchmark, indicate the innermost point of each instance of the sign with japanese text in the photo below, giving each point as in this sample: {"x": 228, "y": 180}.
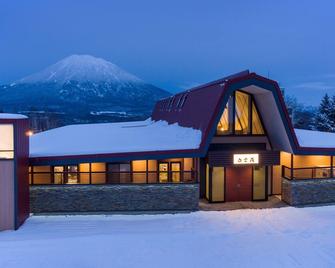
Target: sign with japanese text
{"x": 245, "y": 159}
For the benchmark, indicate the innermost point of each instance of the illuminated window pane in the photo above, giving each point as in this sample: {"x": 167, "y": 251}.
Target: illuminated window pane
{"x": 7, "y": 155}
{"x": 242, "y": 102}
{"x": 6, "y": 141}
{"x": 257, "y": 127}
{"x": 175, "y": 169}
{"x": 163, "y": 172}
{"x": 224, "y": 126}
{"x": 207, "y": 181}
{"x": 218, "y": 184}
{"x": 58, "y": 175}
{"x": 259, "y": 178}
{"x": 72, "y": 175}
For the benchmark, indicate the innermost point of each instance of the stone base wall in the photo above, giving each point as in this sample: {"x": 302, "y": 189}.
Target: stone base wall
{"x": 304, "y": 192}
{"x": 109, "y": 198}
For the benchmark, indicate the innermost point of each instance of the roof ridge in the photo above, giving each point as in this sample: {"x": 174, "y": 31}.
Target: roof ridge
{"x": 212, "y": 83}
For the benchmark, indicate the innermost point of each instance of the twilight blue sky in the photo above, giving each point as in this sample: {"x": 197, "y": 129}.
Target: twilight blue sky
{"x": 177, "y": 44}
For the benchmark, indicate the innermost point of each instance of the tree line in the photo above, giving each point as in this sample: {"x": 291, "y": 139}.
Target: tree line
{"x": 321, "y": 118}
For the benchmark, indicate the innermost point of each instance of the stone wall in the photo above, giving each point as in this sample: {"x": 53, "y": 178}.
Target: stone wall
{"x": 304, "y": 192}
{"x": 108, "y": 198}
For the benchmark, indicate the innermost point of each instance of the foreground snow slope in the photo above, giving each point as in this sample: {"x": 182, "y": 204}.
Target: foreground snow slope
{"x": 285, "y": 237}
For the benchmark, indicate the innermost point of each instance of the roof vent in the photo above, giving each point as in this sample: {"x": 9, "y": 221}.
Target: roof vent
{"x": 182, "y": 101}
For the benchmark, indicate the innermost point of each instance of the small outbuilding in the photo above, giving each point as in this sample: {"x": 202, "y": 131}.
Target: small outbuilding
{"x": 14, "y": 161}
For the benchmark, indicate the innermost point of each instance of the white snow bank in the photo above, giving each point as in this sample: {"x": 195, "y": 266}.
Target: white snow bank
{"x": 310, "y": 138}
{"x": 140, "y": 136}
{"x": 285, "y": 237}
{"x": 12, "y": 116}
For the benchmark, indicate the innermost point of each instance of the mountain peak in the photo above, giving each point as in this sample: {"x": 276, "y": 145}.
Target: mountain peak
{"x": 81, "y": 68}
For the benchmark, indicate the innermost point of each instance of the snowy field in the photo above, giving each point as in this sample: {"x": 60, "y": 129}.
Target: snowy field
{"x": 284, "y": 237}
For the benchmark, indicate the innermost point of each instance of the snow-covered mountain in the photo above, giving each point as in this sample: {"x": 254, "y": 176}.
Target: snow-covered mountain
{"x": 81, "y": 68}
{"x": 81, "y": 89}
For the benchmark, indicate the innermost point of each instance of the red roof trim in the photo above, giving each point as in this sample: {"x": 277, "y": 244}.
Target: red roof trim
{"x": 116, "y": 155}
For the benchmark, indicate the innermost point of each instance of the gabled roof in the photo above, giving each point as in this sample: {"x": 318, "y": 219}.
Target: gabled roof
{"x": 196, "y": 111}
{"x": 204, "y": 105}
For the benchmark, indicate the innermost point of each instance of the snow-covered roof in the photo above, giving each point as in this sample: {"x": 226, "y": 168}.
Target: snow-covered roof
{"x": 12, "y": 116}
{"x": 318, "y": 139}
{"x": 109, "y": 138}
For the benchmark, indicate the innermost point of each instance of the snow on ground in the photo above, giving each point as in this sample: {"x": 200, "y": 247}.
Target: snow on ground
{"x": 140, "y": 136}
{"x": 284, "y": 237}
{"x": 311, "y": 138}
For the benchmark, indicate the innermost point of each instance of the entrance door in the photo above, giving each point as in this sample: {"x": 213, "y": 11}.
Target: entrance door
{"x": 238, "y": 184}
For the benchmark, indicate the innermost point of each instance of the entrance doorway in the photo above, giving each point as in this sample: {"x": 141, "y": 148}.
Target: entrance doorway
{"x": 233, "y": 184}
{"x": 238, "y": 184}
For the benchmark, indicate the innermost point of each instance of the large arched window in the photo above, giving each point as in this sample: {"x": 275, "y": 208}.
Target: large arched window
{"x": 240, "y": 116}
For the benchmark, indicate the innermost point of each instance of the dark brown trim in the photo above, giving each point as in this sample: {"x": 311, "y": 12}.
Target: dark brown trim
{"x": 332, "y": 166}
{"x": 292, "y": 165}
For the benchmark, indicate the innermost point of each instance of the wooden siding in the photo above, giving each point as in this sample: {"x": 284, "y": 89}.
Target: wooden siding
{"x": 21, "y": 146}
{"x": 20, "y": 175}
{"x": 7, "y": 202}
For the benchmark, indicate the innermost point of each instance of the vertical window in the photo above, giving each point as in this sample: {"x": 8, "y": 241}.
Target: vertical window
{"x": 139, "y": 171}
{"x": 125, "y": 176}
{"x": 152, "y": 168}
{"x": 41, "y": 175}
{"x": 59, "y": 175}
{"x": 259, "y": 183}
{"x": 242, "y": 104}
{"x": 225, "y": 124}
{"x": 240, "y": 117}
{"x": 163, "y": 172}
{"x": 72, "y": 175}
{"x": 84, "y": 169}
{"x": 113, "y": 173}
{"x": 257, "y": 127}
{"x": 6, "y": 141}
{"x": 175, "y": 171}
{"x": 98, "y": 173}
{"x": 207, "y": 182}
{"x": 119, "y": 173}
{"x": 218, "y": 184}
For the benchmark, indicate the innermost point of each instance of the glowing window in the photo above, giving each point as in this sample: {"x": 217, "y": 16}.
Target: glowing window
{"x": 6, "y": 141}
{"x": 240, "y": 117}
{"x": 242, "y": 104}
{"x": 257, "y": 127}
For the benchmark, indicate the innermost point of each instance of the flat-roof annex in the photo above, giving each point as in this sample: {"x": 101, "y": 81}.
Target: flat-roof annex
{"x": 109, "y": 138}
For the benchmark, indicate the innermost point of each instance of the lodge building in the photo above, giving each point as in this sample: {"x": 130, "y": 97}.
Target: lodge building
{"x": 225, "y": 141}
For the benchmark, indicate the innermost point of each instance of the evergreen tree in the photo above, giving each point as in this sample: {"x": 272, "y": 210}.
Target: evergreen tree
{"x": 332, "y": 112}
{"x": 322, "y": 120}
